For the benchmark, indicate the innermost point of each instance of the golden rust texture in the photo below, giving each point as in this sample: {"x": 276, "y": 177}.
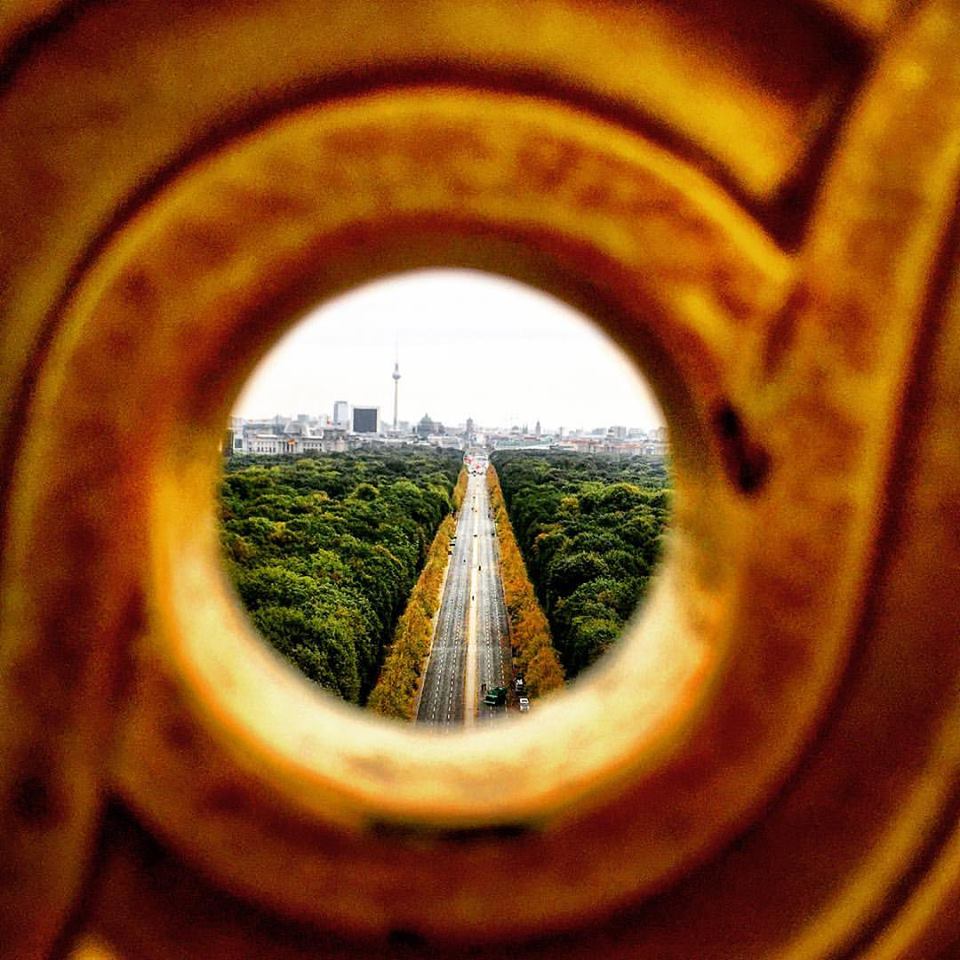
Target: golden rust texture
{"x": 758, "y": 201}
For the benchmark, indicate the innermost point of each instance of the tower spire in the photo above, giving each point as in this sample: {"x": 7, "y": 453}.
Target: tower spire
{"x": 396, "y": 386}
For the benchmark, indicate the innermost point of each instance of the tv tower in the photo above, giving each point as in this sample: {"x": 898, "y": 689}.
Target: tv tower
{"x": 396, "y": 390}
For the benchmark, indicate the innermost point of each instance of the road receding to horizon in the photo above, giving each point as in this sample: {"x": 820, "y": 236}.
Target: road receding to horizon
{"x": 468, "y": 655}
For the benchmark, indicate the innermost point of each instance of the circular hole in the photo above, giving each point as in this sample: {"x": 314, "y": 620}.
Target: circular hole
{"x": 336, "y": 764}
{"x": 445, "y": 494}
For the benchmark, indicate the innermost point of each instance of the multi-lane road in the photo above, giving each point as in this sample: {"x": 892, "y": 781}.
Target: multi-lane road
{"x": 468, "y": 657}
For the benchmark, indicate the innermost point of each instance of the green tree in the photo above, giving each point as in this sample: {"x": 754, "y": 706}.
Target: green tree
{"x": 591, "y": 530}
{"x": 324, "y": 551}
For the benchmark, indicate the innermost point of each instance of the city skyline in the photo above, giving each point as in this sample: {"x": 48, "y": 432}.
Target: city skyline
{"x": 469, "y": 345}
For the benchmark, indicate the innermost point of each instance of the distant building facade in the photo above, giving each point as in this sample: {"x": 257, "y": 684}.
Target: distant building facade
{"x": 279, "y": 435}
{"x": 366, "y": 419}
{"x": 427, "y": 427}
{"x": 306, "y": 434}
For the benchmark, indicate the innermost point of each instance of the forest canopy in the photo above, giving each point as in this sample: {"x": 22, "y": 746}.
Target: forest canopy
{"x": 324, "y": 551}
{"x": 590, "y": 528}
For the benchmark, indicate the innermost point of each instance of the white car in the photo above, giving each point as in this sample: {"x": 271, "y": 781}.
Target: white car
{"x": 524, "y": 705}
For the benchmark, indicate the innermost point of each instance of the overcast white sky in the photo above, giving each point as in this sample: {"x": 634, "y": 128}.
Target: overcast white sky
{"x": 469, "y": 344}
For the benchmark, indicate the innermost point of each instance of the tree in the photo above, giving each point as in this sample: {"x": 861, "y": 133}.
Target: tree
{"x": 324, "y": 551}
{"x": 591, "y": 531}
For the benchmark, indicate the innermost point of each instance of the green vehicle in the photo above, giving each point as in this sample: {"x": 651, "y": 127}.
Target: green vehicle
{"x": 495, "y": 697}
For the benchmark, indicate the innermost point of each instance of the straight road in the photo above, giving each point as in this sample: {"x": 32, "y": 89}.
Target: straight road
{"x": 467, "y": 657}
{"x": 493, "y": 658}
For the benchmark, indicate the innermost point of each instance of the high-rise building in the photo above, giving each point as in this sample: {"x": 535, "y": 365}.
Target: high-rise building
{"x": 341, "y": 413}
{"x": 366, "y": 419}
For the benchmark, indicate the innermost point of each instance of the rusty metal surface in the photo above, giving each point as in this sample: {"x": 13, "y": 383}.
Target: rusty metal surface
{"x": 769, "y": 768}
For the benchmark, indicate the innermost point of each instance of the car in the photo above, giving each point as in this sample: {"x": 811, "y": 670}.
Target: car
{"x": 524, "y": 705}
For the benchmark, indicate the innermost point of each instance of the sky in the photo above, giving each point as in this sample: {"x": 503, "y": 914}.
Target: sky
{"x": 469, "y": 344}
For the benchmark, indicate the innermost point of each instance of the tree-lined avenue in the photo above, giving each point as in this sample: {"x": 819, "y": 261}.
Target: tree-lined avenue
{"x": 467, "y": 657}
